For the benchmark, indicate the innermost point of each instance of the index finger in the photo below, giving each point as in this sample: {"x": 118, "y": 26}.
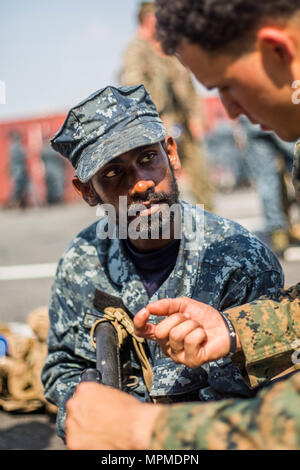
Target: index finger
{"x": 166, "y": 307}
{"x": 142, "y": 327}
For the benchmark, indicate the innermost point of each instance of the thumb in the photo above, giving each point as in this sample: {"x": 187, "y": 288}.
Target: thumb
{"x": 166, "y": 307}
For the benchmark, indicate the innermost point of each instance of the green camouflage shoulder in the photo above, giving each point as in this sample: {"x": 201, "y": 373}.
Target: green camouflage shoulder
{"x": 139, "y": 61}
{"x": 187, "y": 102}
{"x": 270, "y": 421}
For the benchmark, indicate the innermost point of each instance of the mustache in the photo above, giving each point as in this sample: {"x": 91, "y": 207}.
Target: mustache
{"x": 153, "y": 198}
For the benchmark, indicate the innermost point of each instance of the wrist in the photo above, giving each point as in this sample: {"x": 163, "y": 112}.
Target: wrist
{"x": 144, "y": 425}
{"x": 234, "y": 341}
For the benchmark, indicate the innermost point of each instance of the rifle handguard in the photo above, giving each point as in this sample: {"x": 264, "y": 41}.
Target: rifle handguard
{"x": 91, "y": 375}
{"x": 123, "y": 325}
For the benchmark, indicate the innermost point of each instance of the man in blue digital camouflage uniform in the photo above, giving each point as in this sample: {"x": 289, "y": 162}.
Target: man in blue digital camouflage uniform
{"x": 119, "y": 148}
{"x": 262, "y": 152}
{"x": 19, "y": 172}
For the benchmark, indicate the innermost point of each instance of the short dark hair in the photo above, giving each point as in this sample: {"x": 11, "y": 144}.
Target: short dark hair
{"x": 215, "y": 24}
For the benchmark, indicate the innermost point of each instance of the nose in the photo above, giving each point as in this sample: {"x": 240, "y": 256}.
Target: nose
{"x": 232, "y": 107}
{"x": 141, "y": 187}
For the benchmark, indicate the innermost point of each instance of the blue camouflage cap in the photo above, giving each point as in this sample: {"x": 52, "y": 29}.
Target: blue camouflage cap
{"x": 108, "y": 123}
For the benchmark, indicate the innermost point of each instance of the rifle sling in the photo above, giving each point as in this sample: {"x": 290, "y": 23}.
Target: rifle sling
{"x": 124, "y": 328}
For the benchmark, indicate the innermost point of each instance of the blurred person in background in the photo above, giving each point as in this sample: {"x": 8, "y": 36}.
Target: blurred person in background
{"x": 228, "y": 169}
{"x": 285, "y": 161}
{"x": 54, "y": 173}
{"x": 19, "y": 172}
{"x": 262, "y": 151}
{"x": 176, "y": 99}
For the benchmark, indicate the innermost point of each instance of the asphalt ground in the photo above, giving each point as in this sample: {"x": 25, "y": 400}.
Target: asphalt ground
{"x": 31, "y": 243}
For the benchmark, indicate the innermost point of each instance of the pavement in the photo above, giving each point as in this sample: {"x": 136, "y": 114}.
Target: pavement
{"x": 31, "y": 242}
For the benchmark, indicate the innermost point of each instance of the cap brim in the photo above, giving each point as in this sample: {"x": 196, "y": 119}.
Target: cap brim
{"x": 96, "y": 155}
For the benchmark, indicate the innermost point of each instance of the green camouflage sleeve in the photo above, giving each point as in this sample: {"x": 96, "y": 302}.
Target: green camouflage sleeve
{"x": 134, "y": 67}
{"x": 270, "y": 421}
{"x": 269, "y": 331}
{"x": 186, "y": 98}
{"x": 138, "y": 64}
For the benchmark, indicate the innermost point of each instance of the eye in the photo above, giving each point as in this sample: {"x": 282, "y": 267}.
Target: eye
{"x": 148, "y": 157}
{"x": 112, "y": 173}
{"x": 224, "y": 89}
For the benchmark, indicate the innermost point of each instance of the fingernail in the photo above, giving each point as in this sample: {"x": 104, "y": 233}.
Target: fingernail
{"x": 144, "y": 311}
{"x": 187, "y": 315}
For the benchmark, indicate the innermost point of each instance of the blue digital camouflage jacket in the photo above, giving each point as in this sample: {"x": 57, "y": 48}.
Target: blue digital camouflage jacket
{"x": 225, "y": 267}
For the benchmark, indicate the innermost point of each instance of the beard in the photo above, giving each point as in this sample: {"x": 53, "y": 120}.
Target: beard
{"x": 165, "y": 214}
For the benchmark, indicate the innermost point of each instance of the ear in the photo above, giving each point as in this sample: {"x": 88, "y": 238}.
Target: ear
{"x": 171, "y": 147}
{"x": 279, "y": 43}
{"x": 86, "y": 191}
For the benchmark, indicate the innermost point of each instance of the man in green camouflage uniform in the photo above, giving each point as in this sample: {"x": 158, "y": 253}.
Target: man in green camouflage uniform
{"x": 232, "y": 59}
{"x": 118, "y": 145}
{"x": 176, "y": 99}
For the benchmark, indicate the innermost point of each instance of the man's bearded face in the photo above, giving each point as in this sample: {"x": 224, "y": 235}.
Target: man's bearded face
{"x": 141, "y": 186}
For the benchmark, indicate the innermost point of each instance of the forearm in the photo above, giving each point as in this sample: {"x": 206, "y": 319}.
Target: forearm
{"x": 233, "y": 424}
{"x": 269, "y": 333}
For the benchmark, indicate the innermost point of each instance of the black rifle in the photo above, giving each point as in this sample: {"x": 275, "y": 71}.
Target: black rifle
{"x": 108, "y": 368}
